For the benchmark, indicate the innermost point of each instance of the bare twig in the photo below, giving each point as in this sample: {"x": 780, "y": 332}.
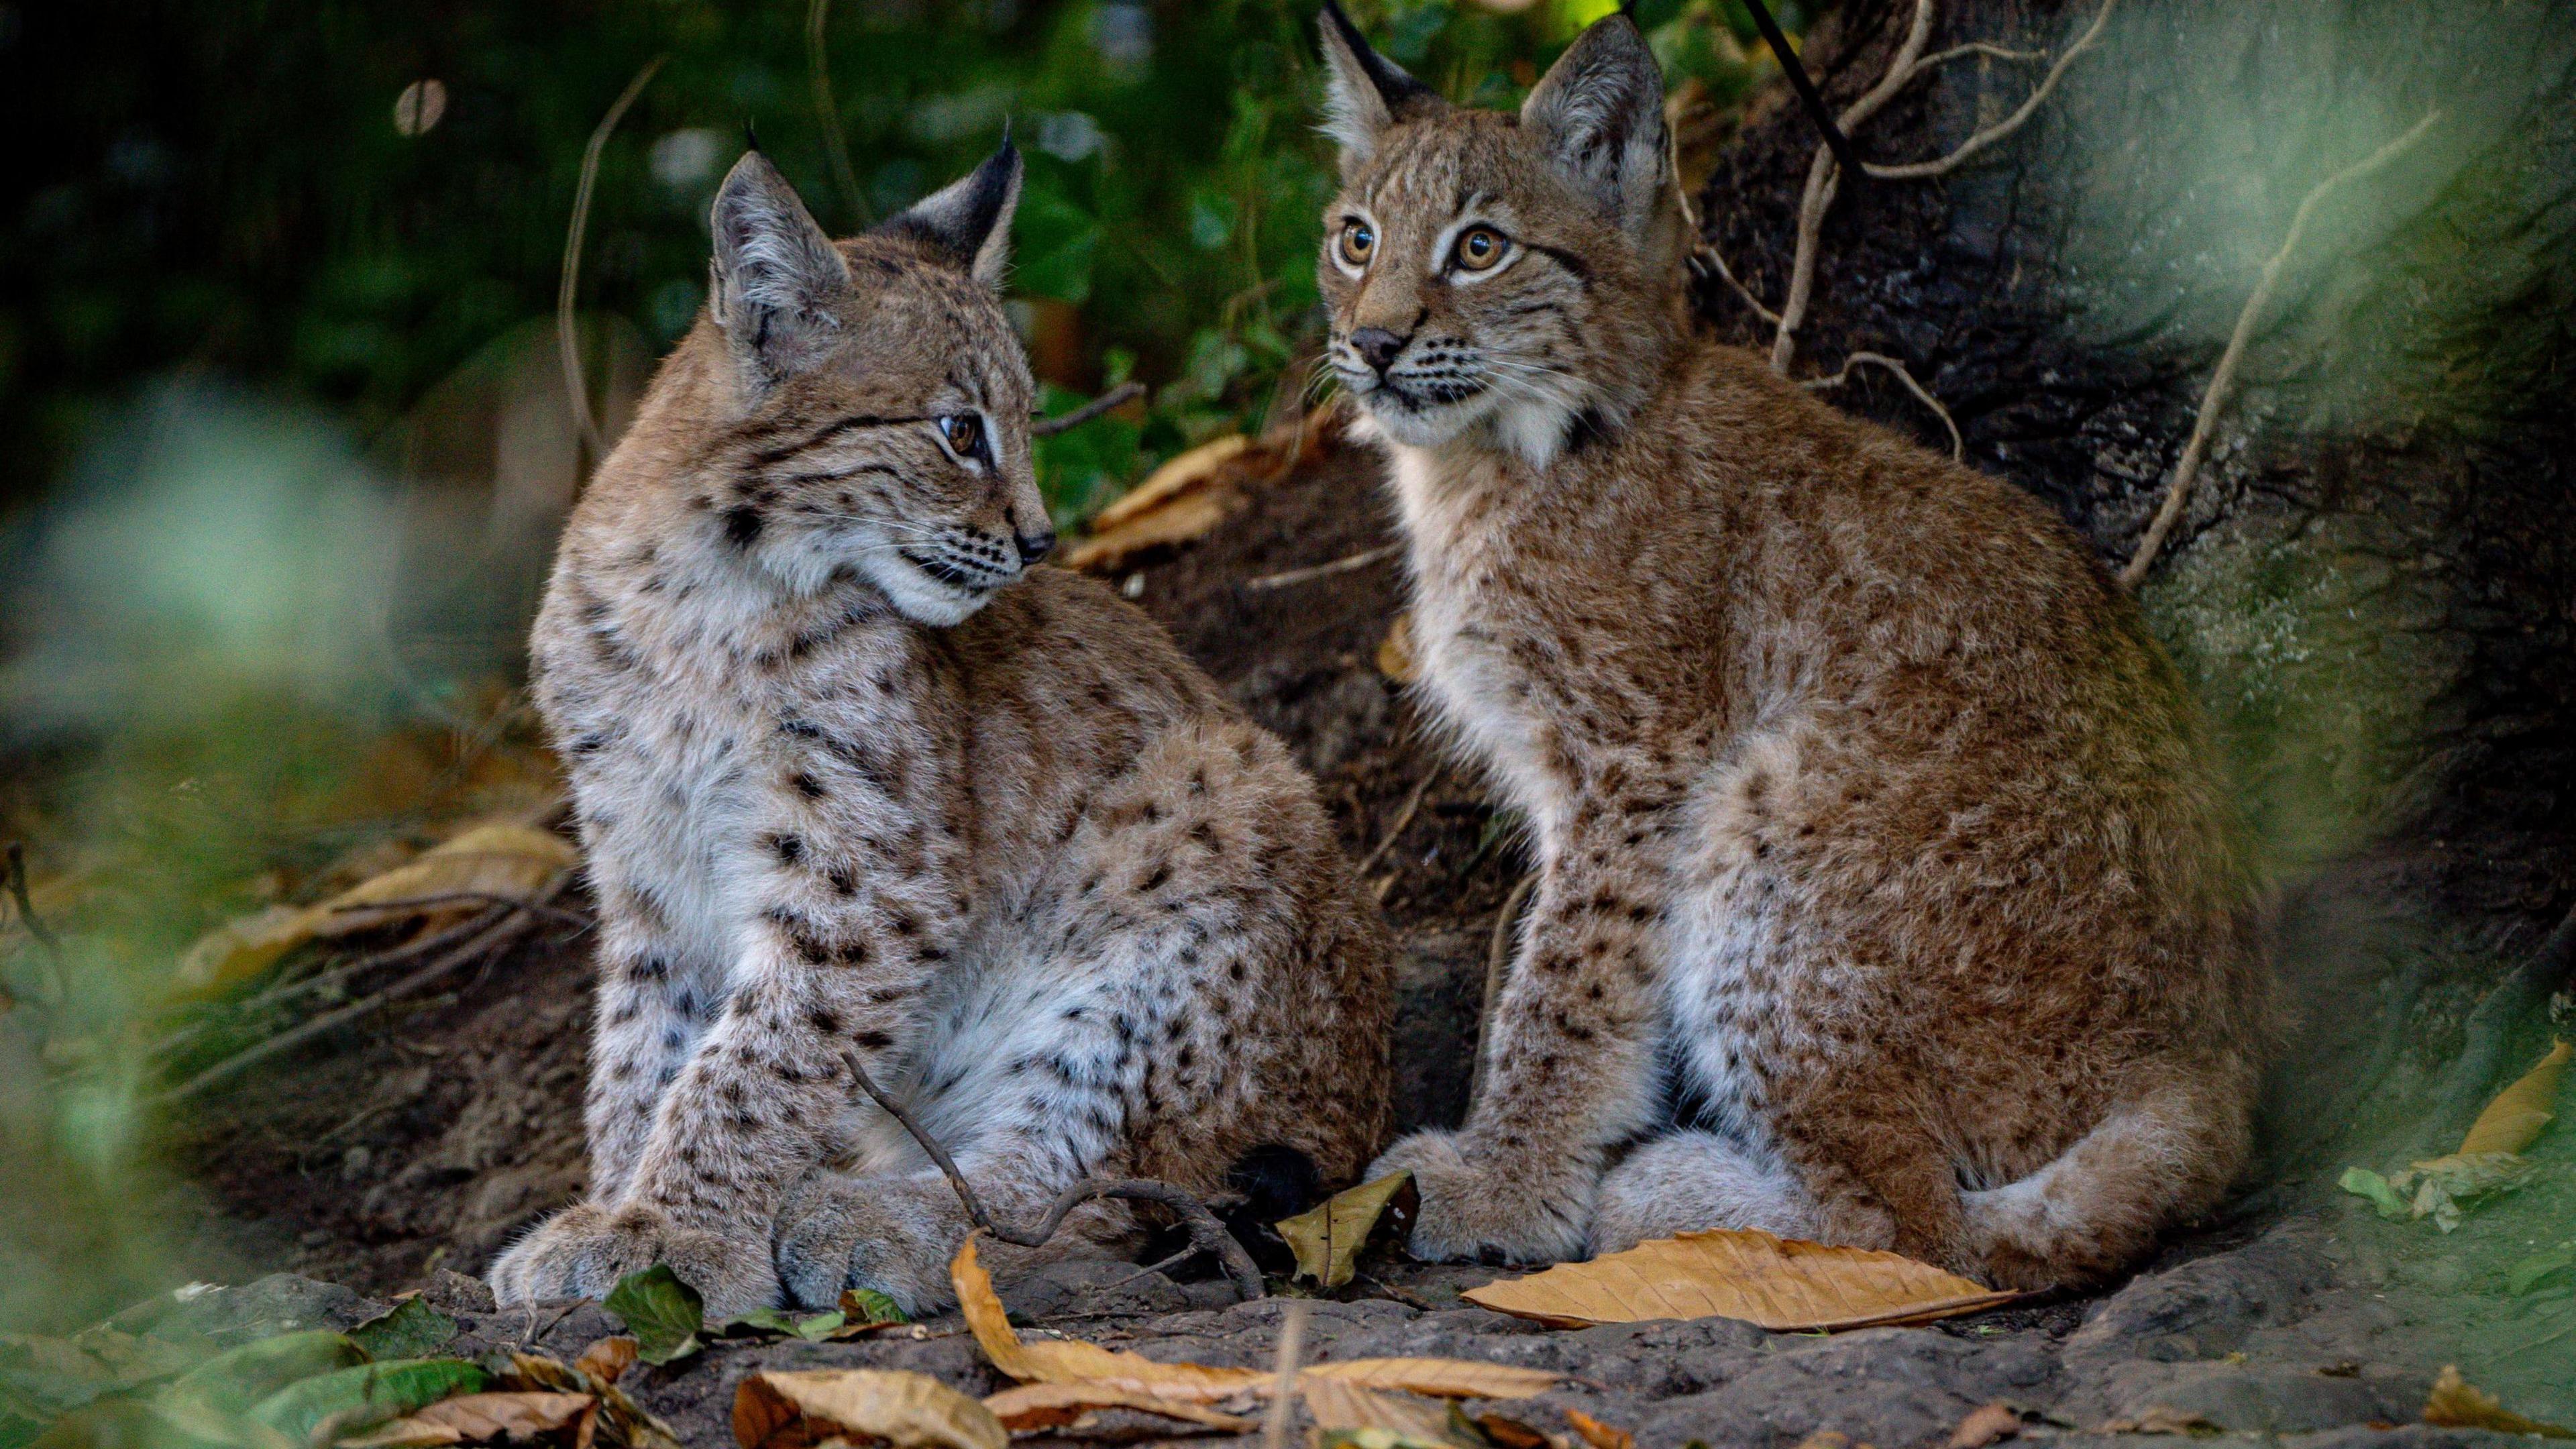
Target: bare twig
{"x": 569, "y": 285}
{"x": 1943, "y": 166}
{"x": 324, "y": 980}
{"x": 1403, "y": 818}
{"x": 35, "y": 924}
{"x": 1796, "y": 70}
{"x": 1922, "y": 394}
{"x": 1117, "y": 396}
{"x": 1704, "y": 254}
{"x": 1979, "y": 47}
{"x": 827, "y": 112}
{"x": 1350, "y": 563}
{"x": 469, "y": 898}
{"x": 1283, "y": 1389}
{"x": 500, "y": 933}
{"x": 2223, "y": 381}
{"x": 1207, "y": 1234}
{"x": 1498, "y": 963}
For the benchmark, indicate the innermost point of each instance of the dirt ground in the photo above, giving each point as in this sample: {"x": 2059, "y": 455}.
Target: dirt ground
{"x": 414, "y": 1146}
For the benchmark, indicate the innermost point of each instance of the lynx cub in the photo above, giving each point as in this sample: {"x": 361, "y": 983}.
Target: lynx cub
{"x": 860, "y": 787}
{"x": 1886, "y": 893}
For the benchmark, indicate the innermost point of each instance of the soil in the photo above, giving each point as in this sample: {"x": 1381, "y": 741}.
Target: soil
{"x": 402, "y": 1152}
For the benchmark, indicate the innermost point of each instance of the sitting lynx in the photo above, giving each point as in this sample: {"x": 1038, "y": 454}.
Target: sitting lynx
{"x": 1886, "y": 894}
{"x": 861, "y": 789}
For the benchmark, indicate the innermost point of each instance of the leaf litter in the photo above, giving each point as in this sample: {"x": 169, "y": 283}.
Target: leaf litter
{"x": 2489, "y": 1161}
{"x": 1781, "y": 1284}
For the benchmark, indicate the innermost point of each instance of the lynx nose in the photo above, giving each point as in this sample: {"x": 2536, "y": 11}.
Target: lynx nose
{"x": 1035, "y": 546}
{"x": 1377, "y": 347}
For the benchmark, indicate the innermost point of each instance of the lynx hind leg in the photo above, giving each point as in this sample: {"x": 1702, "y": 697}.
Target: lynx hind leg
{"x": 1690, "y": 1181}
{"x": 2095, "y": 1209}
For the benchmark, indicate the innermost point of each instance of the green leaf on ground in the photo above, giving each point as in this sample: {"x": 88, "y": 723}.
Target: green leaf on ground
{"x": 2528, "y": 1274}
{"x": 411, "y": 1329}
{"x": 665, "y": 1315}
{"x": 1327, "y": 1241}
{"x": 363, "y": 1397}
{"x": 232, "y": 1381}
{"x": 2362, "y": 1182}
{"x": 812, "y": 1327}
{"x": 867, "y": 1308}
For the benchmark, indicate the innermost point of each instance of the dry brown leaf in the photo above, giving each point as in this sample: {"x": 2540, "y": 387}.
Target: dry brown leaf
{"x": 1598, "y": 1434}
{"x": 2158, "y": 1419}
{"x": 1985, "y": 1425}
{"x": 1511, "y": 1433}
{"x": 1190, "y": 470}
{"x": 1779, "y": 1284}
{"x": 1071, "y": 1361}
{"x": 1176, "y": 503}
{"x": 1327, "y": 1240}
{"x": 607, "y": 1359}
{"x": 1340, "y": 1404}
{"x": 792, "y": 1409}
{"x": 2455, "y": 1403}
{"x": 494, "y": 858}
{"x": 1023, "y": 1407}
{"x": 2513, "y": 1120}
{"x": 1395, "y": 651}
{"x": 481, "y": 1419}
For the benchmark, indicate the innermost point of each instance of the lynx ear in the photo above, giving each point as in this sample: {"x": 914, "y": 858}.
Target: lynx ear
{"x": 1599, "y": 113}
{"x": 1364, "y": 92}
{"x": 968, "y": 222}
{"x": 775, "y": 273}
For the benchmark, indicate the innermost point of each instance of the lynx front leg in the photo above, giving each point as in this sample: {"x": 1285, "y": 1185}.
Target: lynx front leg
{"x": 1570, "y": 1070}
{"x": 652, "y": 1008}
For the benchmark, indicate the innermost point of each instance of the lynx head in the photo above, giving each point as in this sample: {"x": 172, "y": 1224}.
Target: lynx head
{"x": 1495, "y": 276}
{"x": 880, "y": 400}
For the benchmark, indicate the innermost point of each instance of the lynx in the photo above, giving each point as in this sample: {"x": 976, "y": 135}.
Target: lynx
{"x": 1886, "y": 894}
{"x": 862, "y": 788}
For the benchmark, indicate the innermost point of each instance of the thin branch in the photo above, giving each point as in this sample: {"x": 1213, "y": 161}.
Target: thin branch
{"x": 1351, "y": 563}
{"x": 35, "y": 924}
{"x": 1980, "y": 47}
{"x": 1207, "y": 1234}
{"x": 1403, "y": 818}
{"x": 1708, "y": 254}
{"x": 2489, "y": 1031}
{"x": 1283, "y": 1388}
{"x": 569, "y": 285}
{"x": 1704, "y": 254}
{"x": 827, "y": 112}
{"x": 2222, "y": 382}
{"x": 2004, "y": 128}
{"x": 1958, "y": 446}
{"x": 467, "y": 898}
{"x": 1498, "y": 960}
{"x": 1808, "y": 96}
{"x": 497, "y": 935}
{"x": 1118, "y": 396}
{"x": 323, "y": 980}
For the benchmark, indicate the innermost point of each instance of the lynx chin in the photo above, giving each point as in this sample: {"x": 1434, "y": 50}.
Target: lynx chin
{"x": 1887, "y": 894}
{"x": 861, "y": 787}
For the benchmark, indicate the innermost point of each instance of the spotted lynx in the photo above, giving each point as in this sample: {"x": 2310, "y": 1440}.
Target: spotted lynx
{"x": 1886, "y": 894}
{"x": 862, "y": 788}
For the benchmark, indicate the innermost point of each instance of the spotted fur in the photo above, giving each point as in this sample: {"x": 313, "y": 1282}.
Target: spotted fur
{"x": 859, "y": 787}
{"x": 1887, "y": 895}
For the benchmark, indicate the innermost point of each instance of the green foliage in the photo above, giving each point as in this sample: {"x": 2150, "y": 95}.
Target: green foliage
{"x": 665, "y": 1314}
{"x": 410, "y": 1329}
{"x": 359, "y": 1398}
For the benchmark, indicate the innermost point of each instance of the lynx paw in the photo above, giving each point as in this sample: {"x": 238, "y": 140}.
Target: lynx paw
{"x": 582, "y": 1251}
{"x": 838, "y": 1232}
{"x": 1476, "y": 1208}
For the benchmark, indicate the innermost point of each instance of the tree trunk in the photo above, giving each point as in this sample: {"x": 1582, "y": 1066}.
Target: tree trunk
{"x": 2374, "y": 584}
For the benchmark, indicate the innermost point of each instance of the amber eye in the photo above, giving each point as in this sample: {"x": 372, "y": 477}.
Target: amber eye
{"x": 965, "y": 434}
{"x": 1479, "y": 247}
{"x": 1359, "y": 241}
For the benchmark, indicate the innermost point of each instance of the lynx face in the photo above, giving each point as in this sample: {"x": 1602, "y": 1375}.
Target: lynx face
{"x": 885, "y": 397}
{"x": 1481, "y": 267}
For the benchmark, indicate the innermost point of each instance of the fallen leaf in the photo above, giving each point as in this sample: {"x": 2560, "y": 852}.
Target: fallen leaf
{"x": 1511, "y": 1433}
{"x": 1598, "y": 1434}
{"x": 2457, "y": 1404}
{"x": 232, "y": 1381}
{"x": 2513, "y": 1120}
{"x": 665, "y": 1314}
{"x": 352, "y": 1399}
{"x": 812, "y": 1327}
{"x": 2161, "y": 1420}
{"x": 1985, "y": 1425}
{"x": 621, "y": 1423}
{"x": 866, "y": 1308}
{"x": 1779, "y": 1284}
{"x": 1176, "y": 503}
{"x": 2362, "y": 1182}
{"x": 1395, "y": 651}
{"x": 1327, "y": 1240}
{"x": 1340, "y": 1404}
{"x": 796, "y": 1409}
{"x": 1023, "y": 1407}
{"x": 608, "y": 1359}
{"x": 410, "y": 1329}
{"x": 2530, "y": 1272}
{"x": 1375, "y": 1439}
{"x": 2444, "y": 1188}
{"x": 480, "y": 1419}
{"x": 1071, "y": 1361}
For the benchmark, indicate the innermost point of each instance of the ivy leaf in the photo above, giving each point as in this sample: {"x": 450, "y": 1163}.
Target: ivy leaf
{"x": 665, "y": 1315}
{"x": 363, "y": 1397}
{"x": 411, "y": 1329}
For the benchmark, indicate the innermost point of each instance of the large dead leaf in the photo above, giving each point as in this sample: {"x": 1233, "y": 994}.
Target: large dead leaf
{"x": 1071, "y": 1361}
{"x": 498, "y": 858}
{"x": 1178, "y": 502}
{"x": 1779, "y": 1284}
{"x": 1337, "y": 1404}
{"x": 1023, "y": 1407}
{"x": 2513, "y": 1120}
{"x": 1327, "y": 1241}
{"x": 481, "y": 1419}
{"x": 792, "y": 1409}
{"x": 2455, "y": 1403}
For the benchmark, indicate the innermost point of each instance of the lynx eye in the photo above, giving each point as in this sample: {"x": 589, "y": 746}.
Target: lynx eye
{"x": 1359, "y": 242}
{"x": 965, "y": 434}
{"x": 1479, "y": 247}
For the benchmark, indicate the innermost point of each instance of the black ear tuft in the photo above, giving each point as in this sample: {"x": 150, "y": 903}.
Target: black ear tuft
{"x": 968, "y": 222}
{"x": 1364, "y": 92}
